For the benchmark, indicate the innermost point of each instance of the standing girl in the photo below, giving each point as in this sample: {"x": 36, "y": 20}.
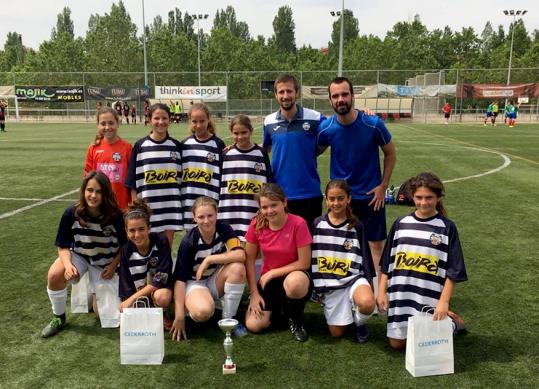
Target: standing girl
{"x": 89, "y": 238}
{"x": 110, "y": 154}
{"x": 246, "y": 168}
{"x": 145, "y": 261}
{"x": 285, "y": 283}
{"x": 155, "y": 171}
{"x": 210, "y": 266}
{"x": 342, "y": 267}
{"x": 421, "y": 263}
{"x": 201, "y": 161}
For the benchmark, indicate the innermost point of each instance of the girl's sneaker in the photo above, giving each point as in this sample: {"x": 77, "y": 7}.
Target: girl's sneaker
{"x": 240, "y": 331}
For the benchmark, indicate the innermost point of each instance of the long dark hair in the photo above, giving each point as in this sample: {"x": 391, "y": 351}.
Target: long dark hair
{"x": 155, "y": 107}
{"x": 109, "y": 206}
{"x": 432, "y": 182}
{"x": 270, "y": 191}
{"x": 342, "y": 185}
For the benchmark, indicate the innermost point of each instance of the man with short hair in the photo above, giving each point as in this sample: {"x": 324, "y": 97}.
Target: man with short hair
{"x": 291, "y": 136}
{"x": 355, "y": 139}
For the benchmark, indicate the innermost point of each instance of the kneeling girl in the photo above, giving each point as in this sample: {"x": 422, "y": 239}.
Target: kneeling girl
{"x": 145, "y": 262}
{"x": 342, "y": 267}
{"x": 210, "y": 266}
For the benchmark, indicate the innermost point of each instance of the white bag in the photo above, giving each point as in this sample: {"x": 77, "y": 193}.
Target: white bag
{"x": 108, "y": 302}
{"x": 429, "y": 346}
{"x": 142, "y": 341}
{"x": 80, "y": 295}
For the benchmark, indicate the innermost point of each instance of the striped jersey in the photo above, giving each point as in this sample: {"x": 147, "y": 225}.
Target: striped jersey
{"x": 418, "y": 256}
{"x": 138, "y": 270}
{"x": 155, "y": 172}
{"x": 201, "y": 164}
{"x": 96, "y": 243}
{"x": 193, "y": 250}
{"x": 242, "y": 175}
{"x": 340, "y": 256}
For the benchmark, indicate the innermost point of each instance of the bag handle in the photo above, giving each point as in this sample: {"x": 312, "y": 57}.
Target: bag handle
{"x": 143, "y": 300}
{"x": 426, "y": 309}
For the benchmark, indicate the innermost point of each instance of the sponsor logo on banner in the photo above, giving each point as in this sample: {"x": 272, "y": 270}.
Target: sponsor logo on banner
{"x": 206, "y": 93}
{"x": 160, "y": 176}
{"x": 243, "y": 186}
{"x": 421, "y": 263}
{"x": 66, "y": 94}
{"x": 193, "y": 174}
{"x": 329, "y": 265}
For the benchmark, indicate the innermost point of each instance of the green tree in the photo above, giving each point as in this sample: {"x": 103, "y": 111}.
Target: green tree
{"x": 284, "y": 31}
{"x": 350, "y": 29}
{"x": 111, "y": 42}
{"x": 64, "y": 24}
{"x": 226, "y": 19}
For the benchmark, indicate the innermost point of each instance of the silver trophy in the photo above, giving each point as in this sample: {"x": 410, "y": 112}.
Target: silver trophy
{"x": 227, "y": 326}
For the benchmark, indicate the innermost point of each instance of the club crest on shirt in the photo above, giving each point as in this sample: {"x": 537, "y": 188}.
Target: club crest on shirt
{"x": 348, "y": 244}
{"x": 436, "y": 239}
{"x": 211, "y": 157}
{"x": 160, "y": 278}
{"x": 107, "y": 231}
{"x": 152, "y": 262}
{"x": 174, "y": 155}
{"x": 306, "y": 126}
{"x": 258, "y": 167}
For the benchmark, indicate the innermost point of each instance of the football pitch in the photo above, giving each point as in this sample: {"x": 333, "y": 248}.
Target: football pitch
{"x": 491, "y": 174}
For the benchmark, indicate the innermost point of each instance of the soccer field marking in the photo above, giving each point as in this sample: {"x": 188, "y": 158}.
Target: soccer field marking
{"x": 470, "y": 144}
{"x": 34, "y": 199}
{"x": 45, "y": 201}
{"x": 506, "y": 160}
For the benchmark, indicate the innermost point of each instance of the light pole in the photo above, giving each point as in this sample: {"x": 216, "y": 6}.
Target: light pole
{"x": 198, "y": 18}
{"x": 144, "y": 47}
{"x": 514, "y": 14}
{"x": 341, "y": 38}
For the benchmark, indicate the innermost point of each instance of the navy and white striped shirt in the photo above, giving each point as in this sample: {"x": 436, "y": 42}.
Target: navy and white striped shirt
{"x": 418, "y": 256}
{"x": 97, "y": 244}
{"x": 193, "y": 250}
{"x": 137, "y": 270}
{"x": 243, "y": 174}
{"x": 340, "y": 256}
{"x": 155, "y": 172}
{"x": 201, "y": 164}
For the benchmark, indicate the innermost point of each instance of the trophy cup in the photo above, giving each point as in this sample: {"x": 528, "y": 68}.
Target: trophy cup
{"x": 227, "y": 326}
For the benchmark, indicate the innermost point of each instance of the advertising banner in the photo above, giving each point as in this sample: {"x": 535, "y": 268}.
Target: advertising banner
{"x": 116, "y": 93}
{"x": 205, "y": 93}
{"x": 490, "y": 91}
{"x": 321, "y": 92}
{"x": 45, "y": 94}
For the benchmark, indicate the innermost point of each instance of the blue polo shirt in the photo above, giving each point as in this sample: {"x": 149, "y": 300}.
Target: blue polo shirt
{"x": 293, "y": 152}
{"x": 355, "y": 151}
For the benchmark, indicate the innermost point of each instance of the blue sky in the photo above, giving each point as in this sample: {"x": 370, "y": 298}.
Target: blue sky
{"x": 34, "y": 19}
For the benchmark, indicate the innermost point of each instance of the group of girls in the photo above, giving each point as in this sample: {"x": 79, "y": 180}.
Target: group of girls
{"x": 234, "y": 215}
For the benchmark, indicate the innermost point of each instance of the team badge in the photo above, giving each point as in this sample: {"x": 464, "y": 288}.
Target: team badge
{"x": 160, "y": 277}
{"x": 306, "y": 126}
{"x": 435, "y": 239}
{"x": 107, "y": 231}
{"x": 174, "y": 155}
{"x": 152, "y": 262}
{"x": 348, "y": 244}
{"x": 211, "y": 157}
{"x": 116, "y": 157}
{"x": 258, "y": 167}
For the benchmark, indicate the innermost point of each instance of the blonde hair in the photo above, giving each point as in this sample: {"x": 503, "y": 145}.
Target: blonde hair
{"x": 212, "y": 129}
{"x": 202, "y": 201}
{"x": 273, "y": 192}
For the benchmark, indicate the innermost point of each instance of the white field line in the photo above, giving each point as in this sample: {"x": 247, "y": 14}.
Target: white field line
{"x": 505, "y": 158}
{"x": 45, "y": 201}
{"x": 31, "y": 199}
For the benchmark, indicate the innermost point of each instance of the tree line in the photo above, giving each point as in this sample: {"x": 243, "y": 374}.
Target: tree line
{"x": 113, "y": 44}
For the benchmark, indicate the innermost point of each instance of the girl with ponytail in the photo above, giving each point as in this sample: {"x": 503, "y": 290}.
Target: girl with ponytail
{"x": 342, "y": 267}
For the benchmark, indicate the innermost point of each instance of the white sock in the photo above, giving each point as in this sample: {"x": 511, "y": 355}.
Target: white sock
{"x": 58, "y": 300}
{"x": 232, "y": 299}
{"x": 360, "y": 318}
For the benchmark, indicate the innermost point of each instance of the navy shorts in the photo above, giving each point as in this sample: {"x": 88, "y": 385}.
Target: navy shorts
{"x": 308, "y": 209}
{"x": 274, "y": 295}
{"x": 374, "y": 221}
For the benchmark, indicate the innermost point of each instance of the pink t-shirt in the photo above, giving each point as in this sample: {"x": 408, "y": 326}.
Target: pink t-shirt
{"x": 280, "y": 247}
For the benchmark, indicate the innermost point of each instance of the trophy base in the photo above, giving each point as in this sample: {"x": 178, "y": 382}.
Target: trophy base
{"x": 229, "y": 369}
